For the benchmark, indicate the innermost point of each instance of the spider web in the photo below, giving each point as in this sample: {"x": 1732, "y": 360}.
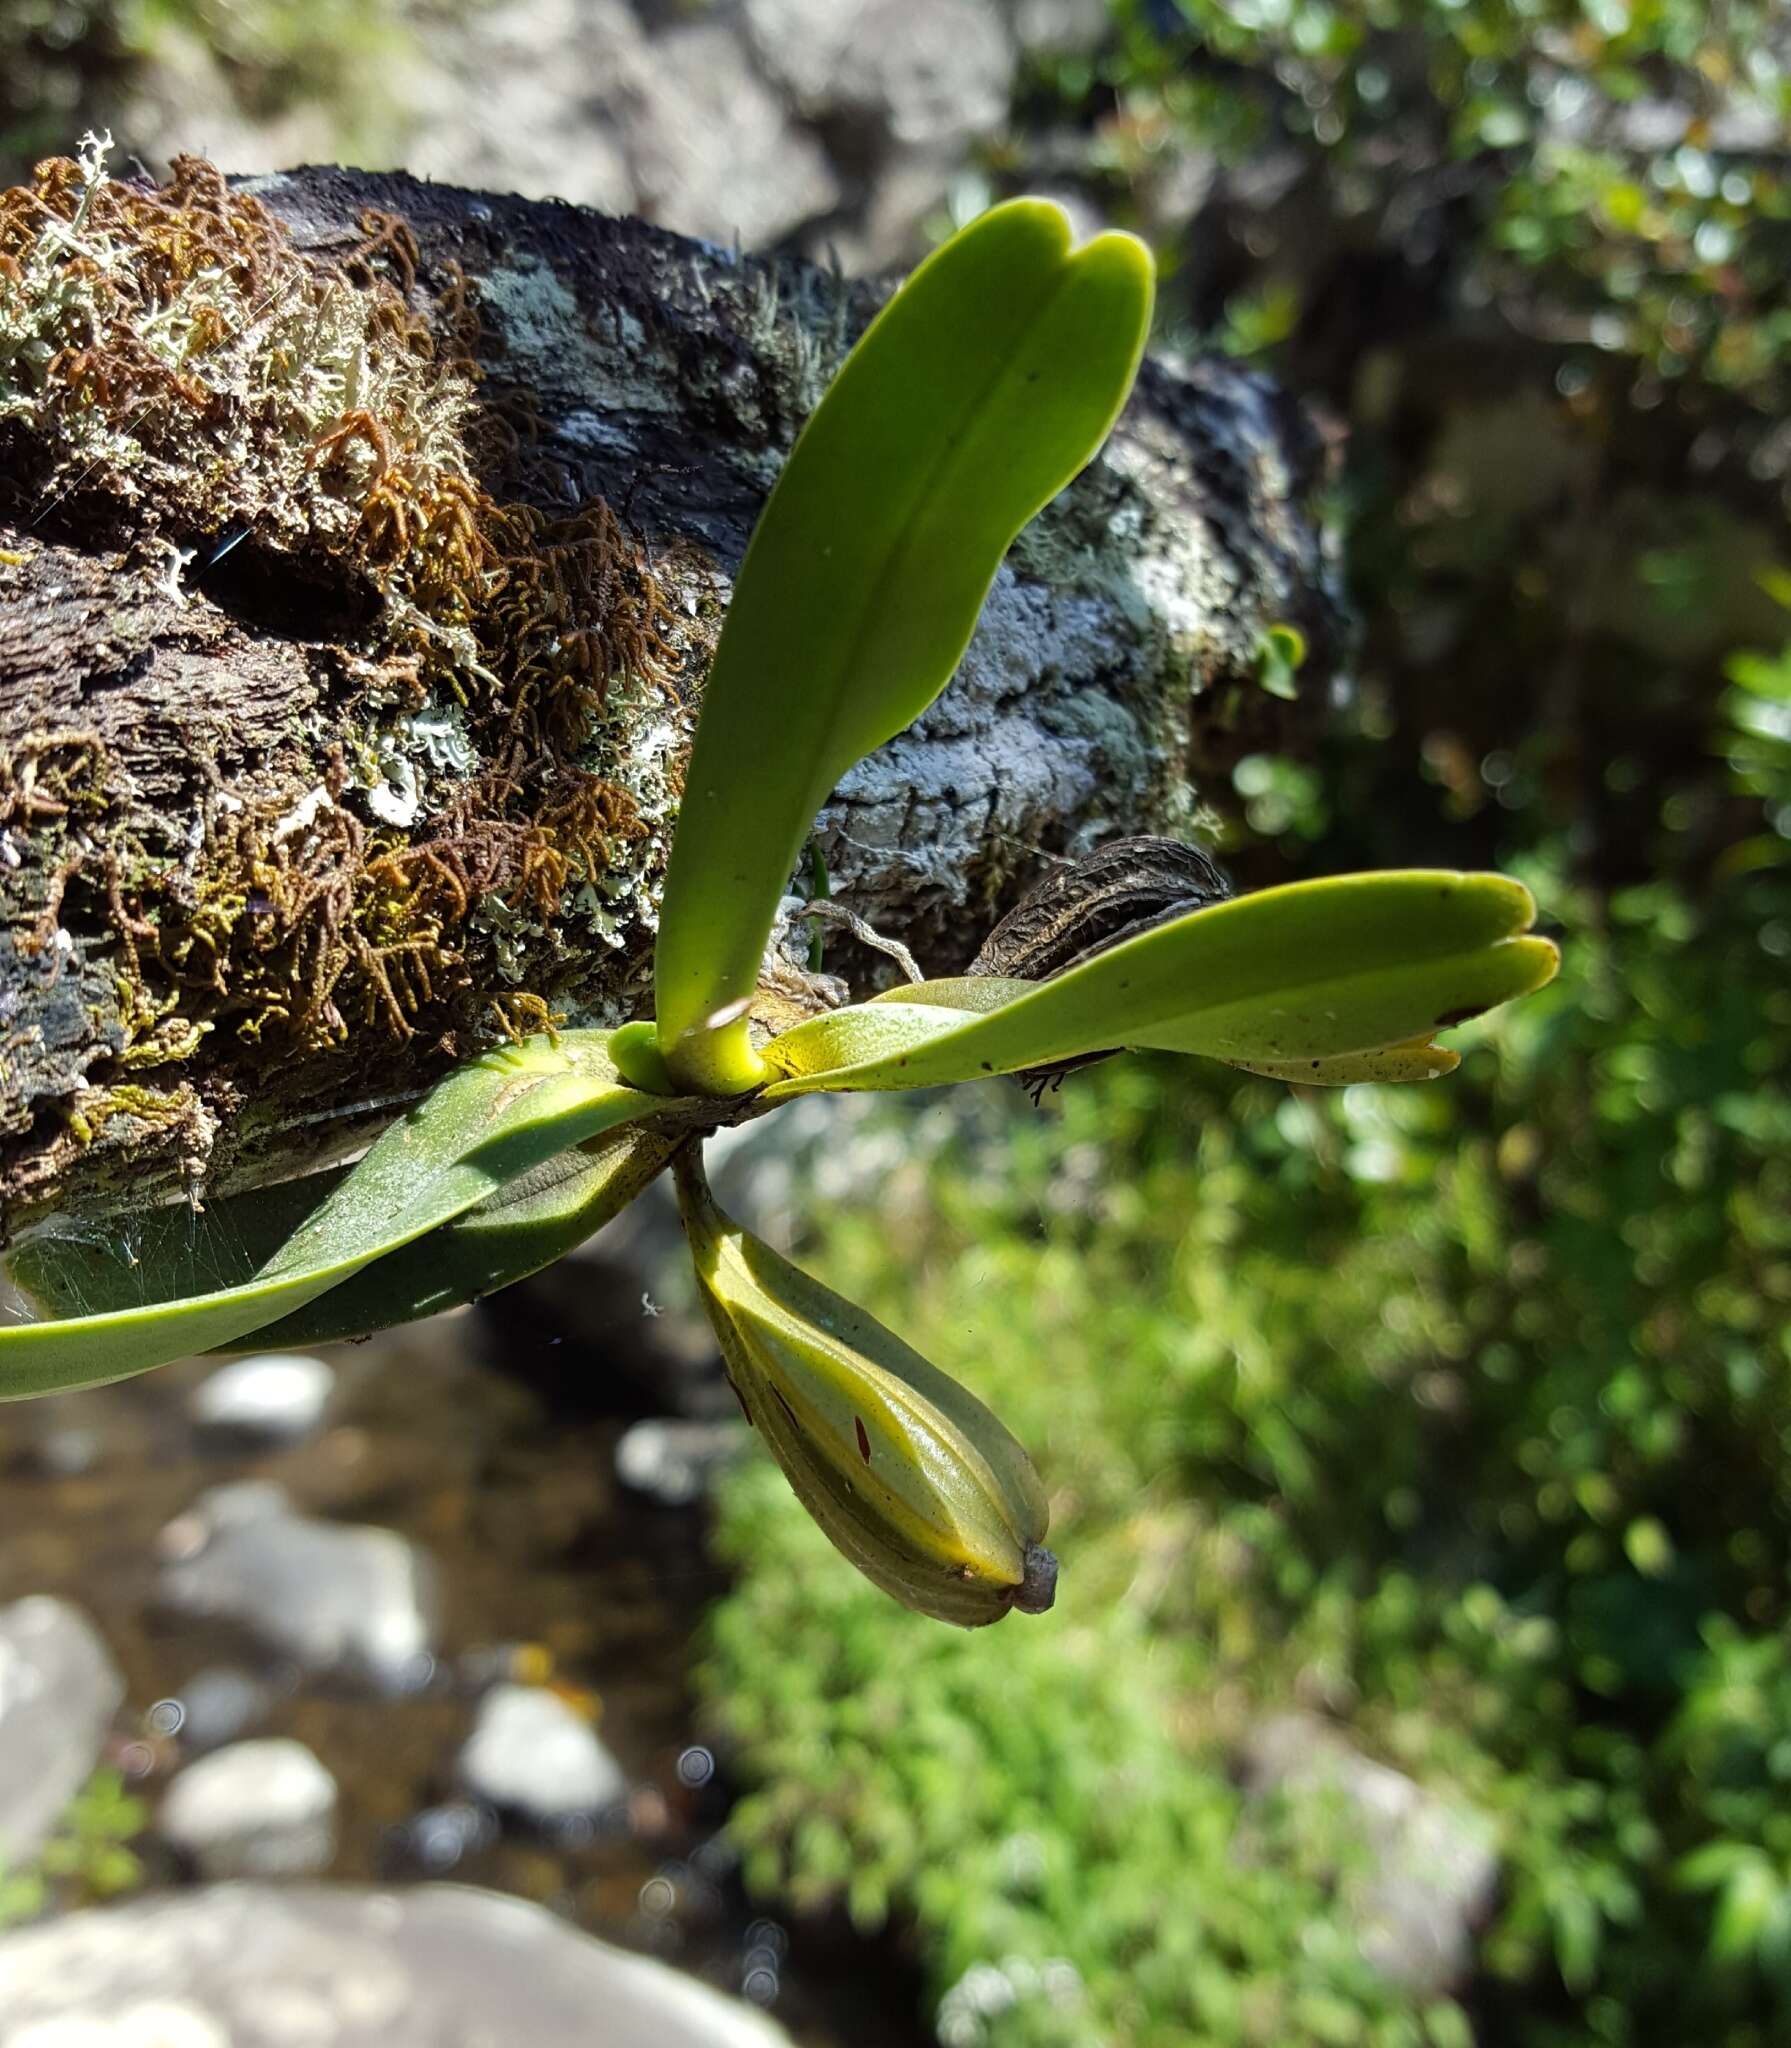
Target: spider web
{"x": 87, "y": 1266}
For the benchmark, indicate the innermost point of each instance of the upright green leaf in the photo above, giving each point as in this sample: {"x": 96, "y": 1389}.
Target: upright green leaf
{"x": 984, "y": 385}
{"x": 1312, "y": 972}
{"x": 479, "y": 1129}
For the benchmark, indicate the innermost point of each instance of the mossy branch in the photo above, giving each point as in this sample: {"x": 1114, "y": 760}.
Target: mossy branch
{"x": 361, "y": 549}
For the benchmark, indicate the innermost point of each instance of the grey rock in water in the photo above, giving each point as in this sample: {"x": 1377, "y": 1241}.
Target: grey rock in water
{"x": 339, "y": 1966}
{"x": 277, "y": 1396}
{"x": 217, "y": 1704}
{"x": 59, "y": 1690}
{"x": 1427, "y": 1873}
{"x": 673, "y": 1461}
{"x": 332, "y": 1596}
{"x": 441, "y": 1836}
{"x": 530, "y": 1753}
{"x": 254, "y": 1809}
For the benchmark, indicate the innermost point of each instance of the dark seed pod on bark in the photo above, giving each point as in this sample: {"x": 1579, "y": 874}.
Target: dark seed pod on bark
{"x": 1121, "y": 889}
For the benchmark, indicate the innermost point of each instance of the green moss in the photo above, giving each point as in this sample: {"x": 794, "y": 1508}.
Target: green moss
{"x": 149, "y": 1106}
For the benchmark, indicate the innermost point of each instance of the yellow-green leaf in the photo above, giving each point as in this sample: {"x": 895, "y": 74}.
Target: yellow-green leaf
{"x": 984, "y": 385}
{"x": 1314, "y": 971}
{"x": 481, "y": 1128}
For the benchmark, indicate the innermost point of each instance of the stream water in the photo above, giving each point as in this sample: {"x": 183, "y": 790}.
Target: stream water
{"x": 487, "y": 1438}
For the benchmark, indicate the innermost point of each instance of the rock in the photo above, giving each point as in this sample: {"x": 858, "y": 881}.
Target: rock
{"x": 522, "y": 98}
{"x": 332, "y": 1596}
{"x": 1060, "y": 27}
{"x": 709, "y": 149}
{"x": 532, "y": 1754}
{"x": 936, "y": 72}
{"x": 574, "y": 99}
{"x": 276, "y": 1395}
{"x": 673, "y": 1461}
{"x": 340, "y": 1966}
{"x": 255, "y": 1809}
{"x": 1427, "y": 1874}
{"x": 215, "y": 1706}
{"x": 59, "y": 1690}
{"x": 441, "y": 1836}
{"x": 890, "y": 229}
{"x": 67, "y": 1453}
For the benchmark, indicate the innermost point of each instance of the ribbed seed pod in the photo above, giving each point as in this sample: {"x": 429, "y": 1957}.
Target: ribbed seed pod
{"x": 911, "y": 1477}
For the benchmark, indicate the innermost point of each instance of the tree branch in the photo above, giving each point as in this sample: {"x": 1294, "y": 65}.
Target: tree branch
{"x": 352, "y": 628}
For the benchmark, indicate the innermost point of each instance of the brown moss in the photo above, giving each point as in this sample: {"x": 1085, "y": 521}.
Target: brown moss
{"x": 174, "y": 368}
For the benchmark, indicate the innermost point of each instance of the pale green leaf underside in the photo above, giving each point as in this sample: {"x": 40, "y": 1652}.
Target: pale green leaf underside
{"x": 480, "y": 1129}
{"x": 173, "y": 1254}
{"x": 1419, "y": 1061}
{"x": 1316, "y": 971}
{"x": 988, "y": 381}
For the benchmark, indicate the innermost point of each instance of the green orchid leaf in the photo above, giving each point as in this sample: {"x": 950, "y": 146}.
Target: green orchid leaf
{"x": 865, "y": 1037}
{"x": 480, "y": 1129}
{"x": 169, "y": 1253}
{"x": 976, "y": 992}
{"x": 1314, "y": 971}
{"x": 536, "y": 1219}
{"x": 979, "y": 391}
{"x": 1420, "y": 1060}
{"x": 533, "y": 1221}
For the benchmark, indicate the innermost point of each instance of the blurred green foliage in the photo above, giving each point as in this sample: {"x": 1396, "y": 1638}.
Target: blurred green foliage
{"x": 86, "y": 1860}
{"x": 68, "y": 64}
{"x": 1461, "y": 1414}
{"x": 1616, "y": 166}
{"x": 1756, "y": 711}
{"x": 1530, "y": 258}
{"x": 1464, "y": 1412}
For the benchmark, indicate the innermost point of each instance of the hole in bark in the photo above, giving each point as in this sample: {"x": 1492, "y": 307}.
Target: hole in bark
{"x": 273, "y": 592}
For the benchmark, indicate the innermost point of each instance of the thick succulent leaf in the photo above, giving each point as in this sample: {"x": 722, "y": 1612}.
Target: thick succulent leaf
{"x": 985, "y": 384}
{"x": 164, "y": 1254}
{"x": 869, "y": 1037}
{"x": 1313, "y": 971}
{"x": 530, "y": 1223}
{"x": 1421, "y": 1060}
{"x": 522, "y": 1230}
{"x": 975, "y": 992}
{"x": 480, "y": 1129}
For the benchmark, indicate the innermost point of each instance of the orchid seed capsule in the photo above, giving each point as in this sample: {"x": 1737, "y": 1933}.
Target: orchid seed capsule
{"x": 909, "y": 1475}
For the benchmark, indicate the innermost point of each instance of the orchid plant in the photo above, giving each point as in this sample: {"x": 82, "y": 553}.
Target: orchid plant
{"x": 987, "y": 382}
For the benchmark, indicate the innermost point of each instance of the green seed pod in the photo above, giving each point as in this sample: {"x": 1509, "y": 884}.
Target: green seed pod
{"x": 906, "y": 1471}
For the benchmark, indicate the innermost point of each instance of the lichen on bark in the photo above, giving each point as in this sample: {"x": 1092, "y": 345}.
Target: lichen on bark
{"x": 361, "y": 548}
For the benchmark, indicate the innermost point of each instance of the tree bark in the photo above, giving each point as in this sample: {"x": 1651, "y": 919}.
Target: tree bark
{"x": 181, "y": 691}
